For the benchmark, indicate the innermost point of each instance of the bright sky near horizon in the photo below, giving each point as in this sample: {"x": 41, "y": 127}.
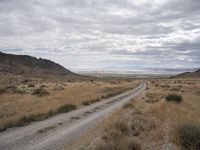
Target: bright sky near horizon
{"x": 104, "y": 34}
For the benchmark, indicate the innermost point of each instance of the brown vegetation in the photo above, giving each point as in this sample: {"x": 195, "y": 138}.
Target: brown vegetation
{"x": 151, "y": 122}
{"x": 35, "y": 100}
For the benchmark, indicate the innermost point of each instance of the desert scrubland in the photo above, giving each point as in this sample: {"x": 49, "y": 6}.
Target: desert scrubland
{"x": 165, "y": 116}
{"x": 32, "y": 100}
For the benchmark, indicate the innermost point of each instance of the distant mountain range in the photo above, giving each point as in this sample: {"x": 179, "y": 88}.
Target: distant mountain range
{"x": 114, "y": 70}
{"x": 28, "y": 65}
{"x": 31, "y": 66}
{"x": 173, "y": 69}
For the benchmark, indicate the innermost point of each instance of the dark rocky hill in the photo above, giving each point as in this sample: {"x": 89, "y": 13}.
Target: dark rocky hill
{"x": 28, "y": 65}
{"x": 190, "y": 74}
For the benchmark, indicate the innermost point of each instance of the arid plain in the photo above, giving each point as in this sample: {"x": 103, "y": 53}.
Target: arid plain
{"x": 35, "y": 99}
{"x": 151, "y": 121}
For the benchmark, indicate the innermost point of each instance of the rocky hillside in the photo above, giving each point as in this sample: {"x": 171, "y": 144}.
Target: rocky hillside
{"x": 190, "y": 74}
{"x": 27, "y": 65}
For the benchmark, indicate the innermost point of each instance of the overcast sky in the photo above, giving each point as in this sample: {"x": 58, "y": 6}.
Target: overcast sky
{"x": 108, "y": 34}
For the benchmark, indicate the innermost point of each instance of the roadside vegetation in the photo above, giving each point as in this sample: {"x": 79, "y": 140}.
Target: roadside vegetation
{"x": 174, "y": 97}
{"x": 123, "y": 132}
{"x": 189, "y": 135}
{"x": 88, "y": 102}
{"x": 25, "y": 120}
{"x": 40, "y": 92}
{"x": 36, "y": 100}
{"x": 153, "y": 121}
{"x": 66, "y": 108}
{"x": 112, "y": 93}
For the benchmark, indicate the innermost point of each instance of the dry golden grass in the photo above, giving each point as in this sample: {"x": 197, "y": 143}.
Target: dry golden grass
{"x": 153, "y": 122}
{"x": 19, "y": 100}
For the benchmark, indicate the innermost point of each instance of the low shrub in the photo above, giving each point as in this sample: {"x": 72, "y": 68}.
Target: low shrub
{"x": 2, "y": 91}
{"x": 34, "y": 117}
{"x": 26, "y": 80}
{"x": 95, "y": 100}
{"x": 197, "y": 92}
{"x": 41, "y": 116}
{"x": 59, "y": 88}
{"x": 174, "y": 89}
{"x": 189, "y": 136}
{"x": 26, "y": 120}
{"x": 43, "y": 86}
{"x": 139, "y": 124}
{"x": 19, "y": 91}
{"x": 118, "y": 138}
{"x": 123, "y": 127}
{"x": 174, "y": 97}
{"x": 134, "y": 145}
{"x": 66, "y": 108}
{"x": 127, "y": 105}
{"x": 86, "y": 103}
{"x": 40, "y": 92}
{"x": 152, "y": 101}
{"x": 51, "y": 113}
{"x": 164, "y": 86}
{"x": 31, "y": 85}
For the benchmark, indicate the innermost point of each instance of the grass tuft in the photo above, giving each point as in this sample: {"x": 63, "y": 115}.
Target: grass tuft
{"x": 123, "y": 127}
{"x": 2, "y": 91}
{"x": 19, "y": 91}
{"x": 174, "y": 97}
{"x": 66, "y": 108}
{"x": 31, "y": 85}
{"x": 189, "y": 136}
{"x": 40, "y": 92}
{"x": 85, "y": 103}
{"x": 88, "y": 102}
{"x": 34, "y": 117}
{"x": 127, "y": 105}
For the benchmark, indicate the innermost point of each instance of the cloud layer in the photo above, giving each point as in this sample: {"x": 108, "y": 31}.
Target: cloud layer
{"x": 93, "y": 34}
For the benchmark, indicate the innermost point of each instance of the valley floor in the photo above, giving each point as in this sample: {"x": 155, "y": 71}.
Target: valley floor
{"x": 22, "y": 102}
{"x": 149, "y": 121}
{"x": 165, "y": 116}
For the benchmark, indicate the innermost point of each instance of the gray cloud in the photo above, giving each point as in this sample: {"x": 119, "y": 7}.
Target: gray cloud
{"x": 99, "y": 32}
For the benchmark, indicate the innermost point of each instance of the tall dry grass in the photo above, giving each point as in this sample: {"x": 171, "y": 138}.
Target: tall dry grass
{"x": 151, "y": 122}
{"x": 33, "y": 101}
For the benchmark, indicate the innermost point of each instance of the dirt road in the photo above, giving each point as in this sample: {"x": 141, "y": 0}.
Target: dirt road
{"x": 52, "y": 133}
